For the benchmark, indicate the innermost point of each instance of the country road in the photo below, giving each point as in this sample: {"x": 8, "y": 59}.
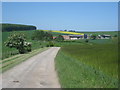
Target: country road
{"x": 36, "y": 72}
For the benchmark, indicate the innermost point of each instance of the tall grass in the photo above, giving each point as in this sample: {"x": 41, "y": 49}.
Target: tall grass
{"x": 88, "y": 66}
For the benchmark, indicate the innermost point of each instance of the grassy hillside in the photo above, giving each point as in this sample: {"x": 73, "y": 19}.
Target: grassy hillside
{"x": 88, "y": 65}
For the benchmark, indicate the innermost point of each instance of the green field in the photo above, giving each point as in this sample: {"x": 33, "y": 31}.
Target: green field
{"x": 90, "y": 65}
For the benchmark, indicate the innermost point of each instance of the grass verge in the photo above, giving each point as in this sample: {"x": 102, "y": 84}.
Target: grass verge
{"x": 73, "y": 73}
{"x": 12, "y": 61}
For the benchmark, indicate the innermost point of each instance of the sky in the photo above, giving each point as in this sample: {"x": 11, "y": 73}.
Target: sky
{"x": 80, "y": 16}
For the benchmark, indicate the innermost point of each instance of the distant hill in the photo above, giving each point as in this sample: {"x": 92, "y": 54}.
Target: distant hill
{"x": 16, "y": 27}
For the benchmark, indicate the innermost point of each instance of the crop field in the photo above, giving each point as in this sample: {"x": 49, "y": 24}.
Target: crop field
{"x": 65, "y": 32}
{"x": 88, "y": 65}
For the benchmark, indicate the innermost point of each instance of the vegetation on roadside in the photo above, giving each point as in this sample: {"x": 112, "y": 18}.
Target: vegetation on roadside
{"x": 88, "y": 66}
{"x": 18, "y": 41}
{"x": 36, "y": 41}
{"x": 93, "y": 36}
{"x": 14, "y": 60}
{"x": 59, "y": 38}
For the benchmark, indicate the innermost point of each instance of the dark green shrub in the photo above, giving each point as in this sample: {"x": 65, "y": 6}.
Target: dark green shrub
{"x": 59, "y": 38}
{"x": 51, "y": 43}
{"x": 17, "y": 27}
{"x": 93, "y": 37}
{"x": 42, "y": 36}
{"x": 115, "y": 35}
{"x": 86, "y": 40}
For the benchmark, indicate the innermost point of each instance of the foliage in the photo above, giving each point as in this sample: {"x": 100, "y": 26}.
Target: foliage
{"x": 86, "y": 40}
{"x": 41, "y": 35}
{"x": 59, "y": 38}
{"x": 50, "y": 44}
{"x": 93, "y": 36}
{"x": 8, "y": 52}
{"x": 115, "y": 35}
{"x": 18, "y": 41}
{"x": 17, "y": 27}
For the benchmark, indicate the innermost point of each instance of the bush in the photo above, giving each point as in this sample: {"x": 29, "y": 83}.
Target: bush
{"x": 93, "y": 37}
{"x": 50, "y": 44}
{"x": 18, "y": 41}
{"x": 115, "y": 35}
{"x": 42, "y": 36}
{"x": 86, "y": 40}
{"x": 59, "y": 38}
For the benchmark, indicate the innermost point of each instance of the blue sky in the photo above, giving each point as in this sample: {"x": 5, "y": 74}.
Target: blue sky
{"x": 82, "y": 16}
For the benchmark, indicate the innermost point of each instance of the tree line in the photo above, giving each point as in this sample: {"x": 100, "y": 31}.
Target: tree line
{"x": 17, "y": 27}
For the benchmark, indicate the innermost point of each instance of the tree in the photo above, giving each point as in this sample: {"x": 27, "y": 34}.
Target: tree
{"x": 18, "y": 41}
{"x": 48, "y": 36}
{"x": 93, "y": 36}
{"x": 38, "y": 35}
{"x": 59, "y": 38}
{"x": 115, "y": 35}
{"x": 86, "y": 40}
{"x": 50, "y": 44}
{"x": 17, "y": 27}
{"x": 42, "y": 36}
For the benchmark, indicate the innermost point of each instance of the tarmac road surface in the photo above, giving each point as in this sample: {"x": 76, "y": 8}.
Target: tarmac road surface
{"x": 36, "y": 72}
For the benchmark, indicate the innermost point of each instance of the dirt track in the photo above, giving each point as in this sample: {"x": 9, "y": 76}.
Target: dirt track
{"x": 37, "y": 72}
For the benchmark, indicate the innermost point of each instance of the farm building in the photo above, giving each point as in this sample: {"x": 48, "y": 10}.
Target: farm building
{"x": 104, "y": 36}
{"x": 74, "y": 37}
{"x": 66, "y": 37}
